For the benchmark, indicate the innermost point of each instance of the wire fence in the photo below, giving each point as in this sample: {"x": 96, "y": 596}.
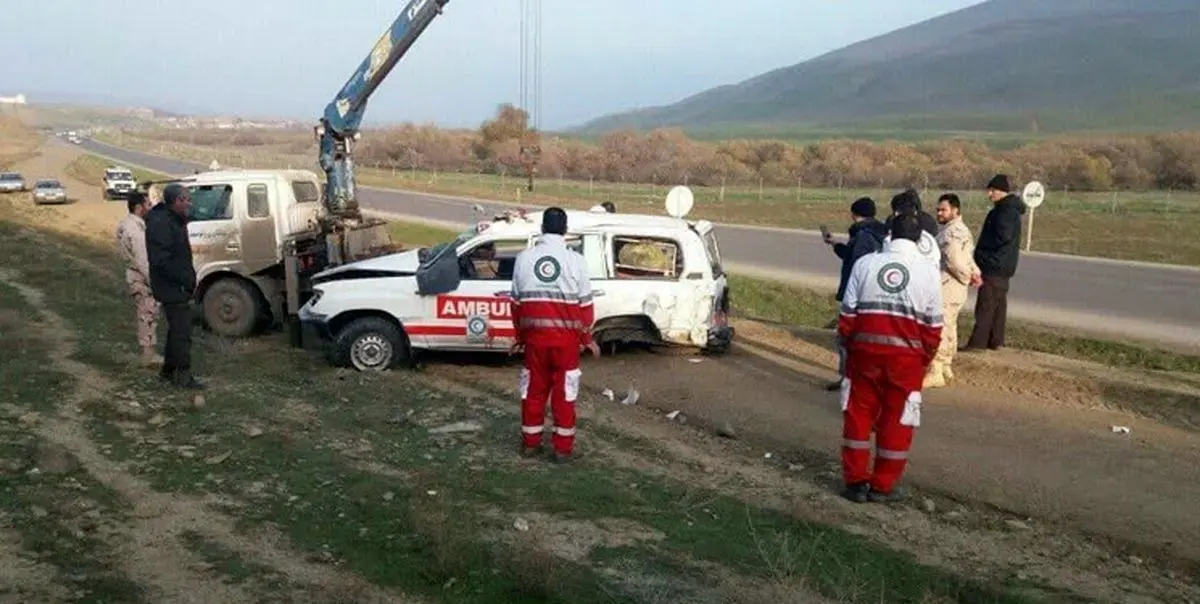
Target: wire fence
{"x": 1150, "y": 225}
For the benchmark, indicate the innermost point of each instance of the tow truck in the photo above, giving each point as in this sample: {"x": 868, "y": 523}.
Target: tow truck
{"x": 257, "y": 236}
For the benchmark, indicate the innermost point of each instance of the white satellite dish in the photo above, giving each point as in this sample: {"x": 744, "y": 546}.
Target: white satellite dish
{"x": 1034, "y": 194}
{"x": 680, "y": 201}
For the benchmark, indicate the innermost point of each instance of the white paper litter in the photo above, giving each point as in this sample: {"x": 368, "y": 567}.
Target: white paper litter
{"x": 631, "y": 398}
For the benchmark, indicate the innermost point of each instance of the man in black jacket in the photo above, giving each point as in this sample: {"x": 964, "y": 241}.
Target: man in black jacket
{"x": 996, "y": 252}
{"x": 173, "y": 280}
{"x": 866, "y": 237}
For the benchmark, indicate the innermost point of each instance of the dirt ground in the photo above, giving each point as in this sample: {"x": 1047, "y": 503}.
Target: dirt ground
{"x": 1017, "y": 470}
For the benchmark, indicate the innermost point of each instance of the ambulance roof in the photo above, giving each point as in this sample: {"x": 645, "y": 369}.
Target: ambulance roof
{"x": 579, "y": 220}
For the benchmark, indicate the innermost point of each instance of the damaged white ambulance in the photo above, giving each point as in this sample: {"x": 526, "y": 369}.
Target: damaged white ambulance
{"x": 657, "y": 280}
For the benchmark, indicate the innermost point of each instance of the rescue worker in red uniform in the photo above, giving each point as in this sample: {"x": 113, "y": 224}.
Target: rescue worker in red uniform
{"x": 891, "y": 321}
{"x": 552, "y": 313}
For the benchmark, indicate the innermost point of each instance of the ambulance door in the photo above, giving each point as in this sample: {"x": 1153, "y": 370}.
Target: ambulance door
{"x": 478, "y": 315}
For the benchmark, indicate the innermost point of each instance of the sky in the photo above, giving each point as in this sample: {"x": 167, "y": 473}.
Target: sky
{"x": 272, "y": 58}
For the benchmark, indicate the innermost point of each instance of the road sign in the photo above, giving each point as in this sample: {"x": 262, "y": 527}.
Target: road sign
{"x": 1034, "y": 194}
{"x": 680, "y": 201}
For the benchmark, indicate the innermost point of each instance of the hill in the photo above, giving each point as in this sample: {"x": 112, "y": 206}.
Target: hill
{"x": 995, "y": 66}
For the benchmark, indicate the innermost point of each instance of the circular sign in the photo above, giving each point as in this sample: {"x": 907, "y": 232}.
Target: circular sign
{"x": 893, "y": 278}
{"x": 476, "y": 326}
{"x": 680, "y": 201}
{"x": 1034, "y": 194}
{"x": 546, "y": 269}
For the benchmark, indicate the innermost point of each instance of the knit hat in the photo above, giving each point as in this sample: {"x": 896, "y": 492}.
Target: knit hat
{"x": 906, "y": 201}
{"x": 863, "y": 206}
{"x": 999, "y": 182}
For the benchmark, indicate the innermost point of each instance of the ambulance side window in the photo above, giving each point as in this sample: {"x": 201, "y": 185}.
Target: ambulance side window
{"x": 637, "y": 257}
{"x": 591, "y": 247}
{"x": 491, "y": 261}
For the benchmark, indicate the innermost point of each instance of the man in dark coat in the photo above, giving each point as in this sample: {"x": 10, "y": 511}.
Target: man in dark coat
{"x": 996, "y": 252}
{"x": 866, "y": 237}
{"x": 173, "y": 280}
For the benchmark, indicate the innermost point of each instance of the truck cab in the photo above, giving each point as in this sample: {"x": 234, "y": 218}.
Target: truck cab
{"x": 118, "y": 183}
{"x": 242, "y": 224}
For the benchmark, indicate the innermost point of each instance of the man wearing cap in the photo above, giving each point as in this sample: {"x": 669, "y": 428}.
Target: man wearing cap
{"x": 866, "y": 237}
{"x": 551, "y": 302}
{"x": 891, "y": 322}
{"x": 996, "y": 252}
{"x": 908, "y": 201}
{"x": 173, "y": 280}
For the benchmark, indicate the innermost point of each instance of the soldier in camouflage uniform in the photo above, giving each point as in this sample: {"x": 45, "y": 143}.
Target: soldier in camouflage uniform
{"x": 131, "y": 240}
{"x": 959, "y": 272}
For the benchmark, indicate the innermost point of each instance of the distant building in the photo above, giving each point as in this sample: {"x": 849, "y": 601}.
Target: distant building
{"x": 13, "y": 100}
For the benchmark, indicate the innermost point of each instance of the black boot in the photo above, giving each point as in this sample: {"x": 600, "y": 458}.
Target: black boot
{"x": 858, "y": 492}
{"x": 183, "y": 378}
{"x": 895, "y": 496}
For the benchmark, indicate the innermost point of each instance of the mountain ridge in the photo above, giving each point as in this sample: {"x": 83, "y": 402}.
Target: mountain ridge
{"x": 1086, "y": 59}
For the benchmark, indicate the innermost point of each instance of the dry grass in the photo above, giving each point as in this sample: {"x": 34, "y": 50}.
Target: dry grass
{"x": 18, "y": 142}
{"x": 1148, "y": 226}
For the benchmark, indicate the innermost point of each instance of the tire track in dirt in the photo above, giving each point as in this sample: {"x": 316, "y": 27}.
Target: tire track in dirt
{"x": 24, "y": 580}
{"x": 151, "y": 551}
{"x": 973, "y": 541}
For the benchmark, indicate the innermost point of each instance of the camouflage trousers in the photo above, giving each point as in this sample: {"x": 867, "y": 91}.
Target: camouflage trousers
{"x": 146, "y": 314}
{"x": 954, "y": 296}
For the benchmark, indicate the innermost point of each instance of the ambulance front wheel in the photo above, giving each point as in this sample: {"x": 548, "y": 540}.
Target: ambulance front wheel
{"x": 370, "y": 343}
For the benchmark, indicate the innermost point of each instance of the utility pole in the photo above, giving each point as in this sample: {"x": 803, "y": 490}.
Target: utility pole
{"x": 531, "y": 86}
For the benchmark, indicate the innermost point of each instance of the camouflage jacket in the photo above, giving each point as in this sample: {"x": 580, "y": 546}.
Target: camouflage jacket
{"x": 131, "y": 241}
{"x": 958, "y": 248}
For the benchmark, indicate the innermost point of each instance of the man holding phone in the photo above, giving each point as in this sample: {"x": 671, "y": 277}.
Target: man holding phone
{"x": 866, "y": 237}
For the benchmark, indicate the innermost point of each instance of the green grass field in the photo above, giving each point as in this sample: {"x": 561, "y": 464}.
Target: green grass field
{"x": 89, "y": 169}
{"x": 1147, "y": 226}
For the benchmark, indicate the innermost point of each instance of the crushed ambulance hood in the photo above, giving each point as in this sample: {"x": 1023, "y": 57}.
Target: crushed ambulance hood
{"x": 400, "y": 262}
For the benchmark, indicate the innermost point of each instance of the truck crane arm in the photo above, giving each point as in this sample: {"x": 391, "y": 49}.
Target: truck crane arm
{"x": 339, "y": 126}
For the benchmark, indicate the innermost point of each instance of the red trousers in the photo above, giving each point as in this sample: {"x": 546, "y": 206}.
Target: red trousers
{"x": 879, "y": 388}
{"x": 551, "y": 372}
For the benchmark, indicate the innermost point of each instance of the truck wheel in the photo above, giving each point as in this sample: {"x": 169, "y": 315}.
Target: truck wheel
{"x": 369, "y": 344}
{"x": 232, "y": 308}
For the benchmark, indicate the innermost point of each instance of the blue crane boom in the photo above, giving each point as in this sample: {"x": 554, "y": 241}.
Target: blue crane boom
{"x": 339, "y": 126}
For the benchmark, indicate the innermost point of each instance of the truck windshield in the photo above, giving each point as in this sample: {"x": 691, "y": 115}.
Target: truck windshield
{"x": 120, "y": 176}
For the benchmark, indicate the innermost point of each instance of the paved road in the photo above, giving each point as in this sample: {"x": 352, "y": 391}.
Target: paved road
{"x": 1145, "y": 301}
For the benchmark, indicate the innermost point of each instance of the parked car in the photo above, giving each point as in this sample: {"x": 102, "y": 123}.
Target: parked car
{"x": 12, "y": 182}
{"x": 49, "y": 190}
{"x": 657, "y": 280}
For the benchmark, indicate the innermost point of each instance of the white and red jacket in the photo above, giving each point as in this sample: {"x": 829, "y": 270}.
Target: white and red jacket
{"x": 551, "y": 295}
{"x": 893, "y": 303}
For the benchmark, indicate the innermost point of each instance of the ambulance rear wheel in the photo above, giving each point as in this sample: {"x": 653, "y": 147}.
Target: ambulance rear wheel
{"x": 370, "y": 344}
